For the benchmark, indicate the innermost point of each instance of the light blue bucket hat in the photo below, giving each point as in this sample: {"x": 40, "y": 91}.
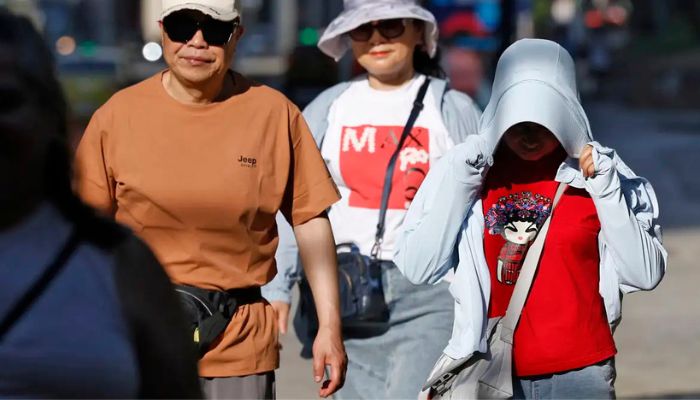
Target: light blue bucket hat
{"x": 335, "y": 42}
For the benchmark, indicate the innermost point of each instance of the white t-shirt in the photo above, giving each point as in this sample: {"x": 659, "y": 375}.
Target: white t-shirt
{"x": 364, "y": 128}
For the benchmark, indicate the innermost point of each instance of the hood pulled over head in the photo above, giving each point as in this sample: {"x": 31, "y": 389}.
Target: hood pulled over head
{"x": 536, "y": 82}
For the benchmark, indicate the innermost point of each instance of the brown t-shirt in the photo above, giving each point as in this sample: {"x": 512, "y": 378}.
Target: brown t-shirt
{"x": 201, "y": 184}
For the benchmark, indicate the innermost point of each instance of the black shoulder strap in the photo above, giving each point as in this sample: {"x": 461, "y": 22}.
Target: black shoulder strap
{"x": 417, "y": 108}
{"x": 30, "y": 296}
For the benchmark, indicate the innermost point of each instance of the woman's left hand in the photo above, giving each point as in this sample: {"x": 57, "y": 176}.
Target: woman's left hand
{"x": 597, "y": 164}
{"x": 586, "y": 163}
{"x": 282, "y": 313}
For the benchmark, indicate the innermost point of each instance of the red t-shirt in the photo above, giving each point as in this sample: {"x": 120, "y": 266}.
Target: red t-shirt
{"x": 563, "y": 325}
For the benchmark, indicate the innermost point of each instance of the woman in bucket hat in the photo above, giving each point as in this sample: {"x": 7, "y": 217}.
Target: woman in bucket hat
{"x": 357, "y": 125}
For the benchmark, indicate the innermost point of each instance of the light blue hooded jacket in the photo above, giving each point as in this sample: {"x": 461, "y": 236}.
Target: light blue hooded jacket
{"x": 444, "y": 227}
{"x": 460, "y": 116}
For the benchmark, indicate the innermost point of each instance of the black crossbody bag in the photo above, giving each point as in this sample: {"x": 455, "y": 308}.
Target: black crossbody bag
{"x": 362, "y": 305}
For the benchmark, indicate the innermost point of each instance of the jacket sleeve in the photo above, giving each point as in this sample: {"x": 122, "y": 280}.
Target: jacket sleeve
{"x": 426, "y": 247}
{"x": 164, "y": 348}
{"x": 280, "y": 288}
{"x": 628, "y": 213}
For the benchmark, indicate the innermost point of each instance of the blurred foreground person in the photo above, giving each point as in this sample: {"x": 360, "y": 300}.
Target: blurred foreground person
{"x": 198, "y": 160}
{"x": 485, "y": 212}
{"x": 380, "y": 134}
{"x": 86, "y": 311}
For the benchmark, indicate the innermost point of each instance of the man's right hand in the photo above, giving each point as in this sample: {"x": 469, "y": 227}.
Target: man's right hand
{"x": 329, "y": 351}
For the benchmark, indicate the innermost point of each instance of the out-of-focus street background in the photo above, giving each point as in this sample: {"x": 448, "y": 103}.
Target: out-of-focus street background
{"x": 639, "y": 75}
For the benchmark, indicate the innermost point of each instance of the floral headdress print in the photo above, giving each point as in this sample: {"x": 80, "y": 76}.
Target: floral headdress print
{"x": 524, "y": 206}
{"x": 518, "y": 217}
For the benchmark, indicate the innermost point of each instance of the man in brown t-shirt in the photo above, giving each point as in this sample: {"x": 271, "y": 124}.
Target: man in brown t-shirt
{"x": 198, "y": 160}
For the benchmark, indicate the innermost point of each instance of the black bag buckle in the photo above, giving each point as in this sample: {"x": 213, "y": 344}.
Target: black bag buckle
{"x": 224, "y": 303}
{"x": 443, "y": 384}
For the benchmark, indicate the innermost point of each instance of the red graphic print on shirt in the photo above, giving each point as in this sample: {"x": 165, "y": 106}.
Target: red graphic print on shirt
{"x": 364, "y": 156}
{"x": 518, "y": 217}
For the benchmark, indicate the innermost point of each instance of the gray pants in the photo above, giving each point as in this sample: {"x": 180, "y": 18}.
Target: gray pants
{"x": 593, "y": 382}
{"x": 261, "y": 386}
{"x": 396, "y": 364}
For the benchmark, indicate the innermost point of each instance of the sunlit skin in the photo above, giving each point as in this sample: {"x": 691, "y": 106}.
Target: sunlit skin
{"x": 586, "y": 163}
{"x": 197, "y": 71}
{"x": 389, "y": 62}
{"x": 531, "y": 142}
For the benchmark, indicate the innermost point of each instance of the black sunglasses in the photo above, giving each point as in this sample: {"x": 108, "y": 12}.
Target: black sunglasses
{"x": 182, "y": 26}
{"x": 388, "y": 28}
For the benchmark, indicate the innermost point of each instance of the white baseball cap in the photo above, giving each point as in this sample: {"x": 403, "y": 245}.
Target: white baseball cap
{"x": 222, "y": 10}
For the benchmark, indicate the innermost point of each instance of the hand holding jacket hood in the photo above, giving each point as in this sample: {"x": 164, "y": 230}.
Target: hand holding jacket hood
{"x": 444, "y": 227}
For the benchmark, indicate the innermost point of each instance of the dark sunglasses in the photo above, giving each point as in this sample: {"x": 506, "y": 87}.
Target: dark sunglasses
{"x": 388, "y": 28}
{"x": 182, "y": 26}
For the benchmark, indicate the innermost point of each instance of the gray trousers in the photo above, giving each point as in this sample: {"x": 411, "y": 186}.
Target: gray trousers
{"x": 260, "y": 386}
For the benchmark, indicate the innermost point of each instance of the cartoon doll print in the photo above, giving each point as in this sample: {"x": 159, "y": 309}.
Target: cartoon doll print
{"x": 518, "y": 218}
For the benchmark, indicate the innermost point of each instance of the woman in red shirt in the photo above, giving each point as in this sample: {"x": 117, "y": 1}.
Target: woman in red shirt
{"x": 480, "y": 208}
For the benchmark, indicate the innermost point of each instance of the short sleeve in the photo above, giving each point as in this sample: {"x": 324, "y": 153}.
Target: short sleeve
{"x": 310, "y": 189}
{"x": 94, "y": 180}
